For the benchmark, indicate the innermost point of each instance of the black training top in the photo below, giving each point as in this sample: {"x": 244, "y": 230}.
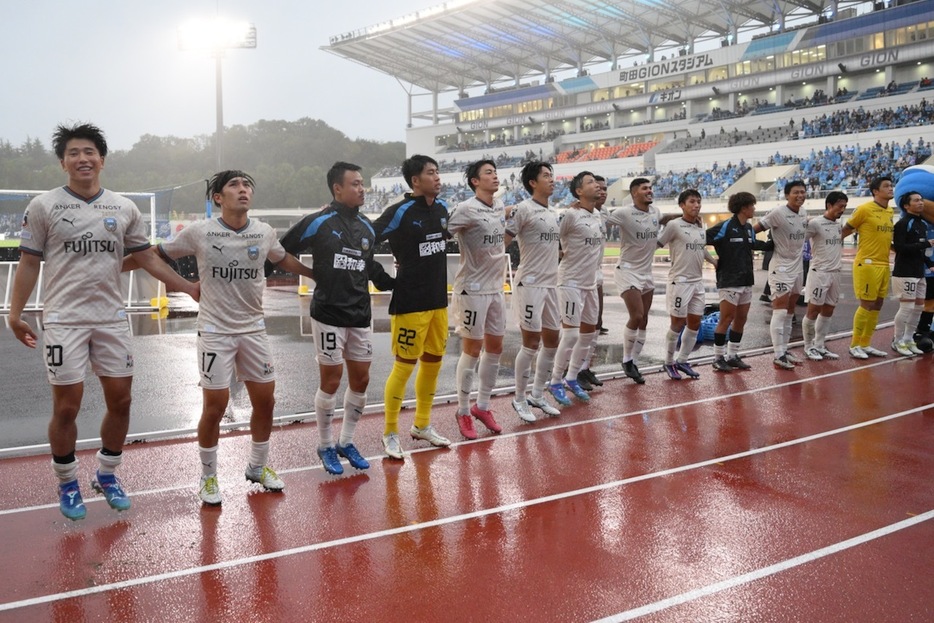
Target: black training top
{"x": 910, "y": 240}
{"x": 342, "y": 242}
{"x": 417, "y": 233}
{"x": 735, "y": 243}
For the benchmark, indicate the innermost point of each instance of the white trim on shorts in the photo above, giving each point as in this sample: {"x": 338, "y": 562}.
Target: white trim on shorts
{"x": 627, "y": 279}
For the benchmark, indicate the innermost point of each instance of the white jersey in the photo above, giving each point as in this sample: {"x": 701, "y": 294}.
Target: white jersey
{"x": 826, "y": 238}
{"x": 687, "y": 242}
{"x": 788, "y": 229}
{"x": 535, "y": 227}
{"x": 481, "y": 232}
{"x": 582, "y": 234}
{"x": 638, "y": 237}
{"x": 230, "y": 266}
{"x": 82, "y": 242}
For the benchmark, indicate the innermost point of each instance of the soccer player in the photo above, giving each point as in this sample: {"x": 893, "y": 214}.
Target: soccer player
{"x": 231, "y": 251}
{"x": 734, "y": 241}
{"x": 341, "y": 241}
{"x": 582, "y": 236}
{"x": 416, "y": 228}
{"x": 823, "y": 280}
{"x": 786, "y": 274}
{"x": 479, "y": 224}
{"x": 912, "y": 247}
{"x": 586, "y": 378}
{"x": 82, "y": 231}
{"x": 924, "y": 320}
{"x": 639, "y": 224}
{"x": 873, "y": 223}
{"x": 534, "y": 224}
{"x": 685, "y": 293}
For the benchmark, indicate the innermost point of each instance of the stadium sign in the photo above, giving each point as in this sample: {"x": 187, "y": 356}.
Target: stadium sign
{"x": 667, "y": 68}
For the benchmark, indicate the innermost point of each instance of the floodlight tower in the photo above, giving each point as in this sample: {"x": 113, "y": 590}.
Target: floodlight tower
{"x": 215, "y": 36}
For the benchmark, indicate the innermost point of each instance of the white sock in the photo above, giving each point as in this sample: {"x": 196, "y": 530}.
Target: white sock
{"x": 688, "y": 340}
{"x": 777, "y": 330}
{"x": 208, "y": 460}
{"x": 324, "y": 414}
{"x": 569, "y": 337}
{"x": 821, "y": 326}
{"x": 354, "y": 403}
{"x": 66, "y": 472}
{"x": 786, "y": 334}
{"x": 259, "y": 453}
{"x": 580, "y": 354}
{"x": 638, "y": 344}
{"x": 902, "y": 318}
{"x": 524, "y": 360}
{"x": 671, "y": 343}
{"x": 809, "y": 329}
{"x": 489, "y": 368}
{"x": 464, "y": 380}
{"x": 732, "y": 347}
{"x": 543, "y": 366}
{"x": 108, "y": 463}
{"x": 629, "y": 340}
{"x": 913, "y": 323}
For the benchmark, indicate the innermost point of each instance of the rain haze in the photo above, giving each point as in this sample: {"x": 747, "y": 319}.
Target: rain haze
{"x": 118, "y": 64}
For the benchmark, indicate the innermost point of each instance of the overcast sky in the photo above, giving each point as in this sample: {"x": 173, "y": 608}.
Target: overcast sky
{"x": 117, "y": 63}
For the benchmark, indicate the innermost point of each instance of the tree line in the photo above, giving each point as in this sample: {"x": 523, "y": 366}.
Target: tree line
{"x": 288, "y": 159}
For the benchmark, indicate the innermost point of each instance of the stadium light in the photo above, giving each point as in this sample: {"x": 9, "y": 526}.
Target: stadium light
{"x": 216, "y": 36}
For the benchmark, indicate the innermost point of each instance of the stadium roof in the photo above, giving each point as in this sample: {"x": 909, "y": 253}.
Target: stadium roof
{"x": 465, "y": 43}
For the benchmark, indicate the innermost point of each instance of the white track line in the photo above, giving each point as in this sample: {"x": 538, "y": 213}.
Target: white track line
{"x": 530, "y": 431}
{"x": 765, "y": 572}
{"x": 506, "y": 508}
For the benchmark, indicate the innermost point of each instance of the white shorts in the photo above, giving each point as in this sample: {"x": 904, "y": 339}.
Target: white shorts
{"x": 782, "y": 284}
{"x": 685, "y": 299}
{"x": 600, "y": 275}
{"x": 536, "y": 308}
{"x": 220, "y": 355}
{"x": 476, "y": 315}
{"x": 909, "y": 288}
{"x": 822, "y": 288}
{"x": 629, "y": 280}
{"x": 736, "y": 296}
{"x": 335, "y": 344}
{"x": 578, "y": 306}
{"x": 69, "y": 349}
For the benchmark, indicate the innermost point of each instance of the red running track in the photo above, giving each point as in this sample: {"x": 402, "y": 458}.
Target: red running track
{"x": 759, "y": 496}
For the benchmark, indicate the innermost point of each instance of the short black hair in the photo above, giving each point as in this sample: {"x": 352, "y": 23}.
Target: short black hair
{"x": 687, "y": 194}
{"x": 415, "y": 165}
{"x": 599, "y": 178}
{"x": 577, "y": 181}
{"x": 639, "y": 181}
{"x": 530, "y": 173}
{"x": 89, "y": 131}
{"x": 905, "y": 199}
{"x": 473, "y": 170}
{"x": 740, "y": 200}
{"x": 219, "y": 180}
{"x": 876, "y": 182}
{"x": 336, "y": 173}
{"x": 794, "y": 183}
{"x": 835, "y": 196}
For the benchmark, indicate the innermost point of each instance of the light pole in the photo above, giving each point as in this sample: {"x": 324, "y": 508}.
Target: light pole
{"x": 215, "y": 36}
